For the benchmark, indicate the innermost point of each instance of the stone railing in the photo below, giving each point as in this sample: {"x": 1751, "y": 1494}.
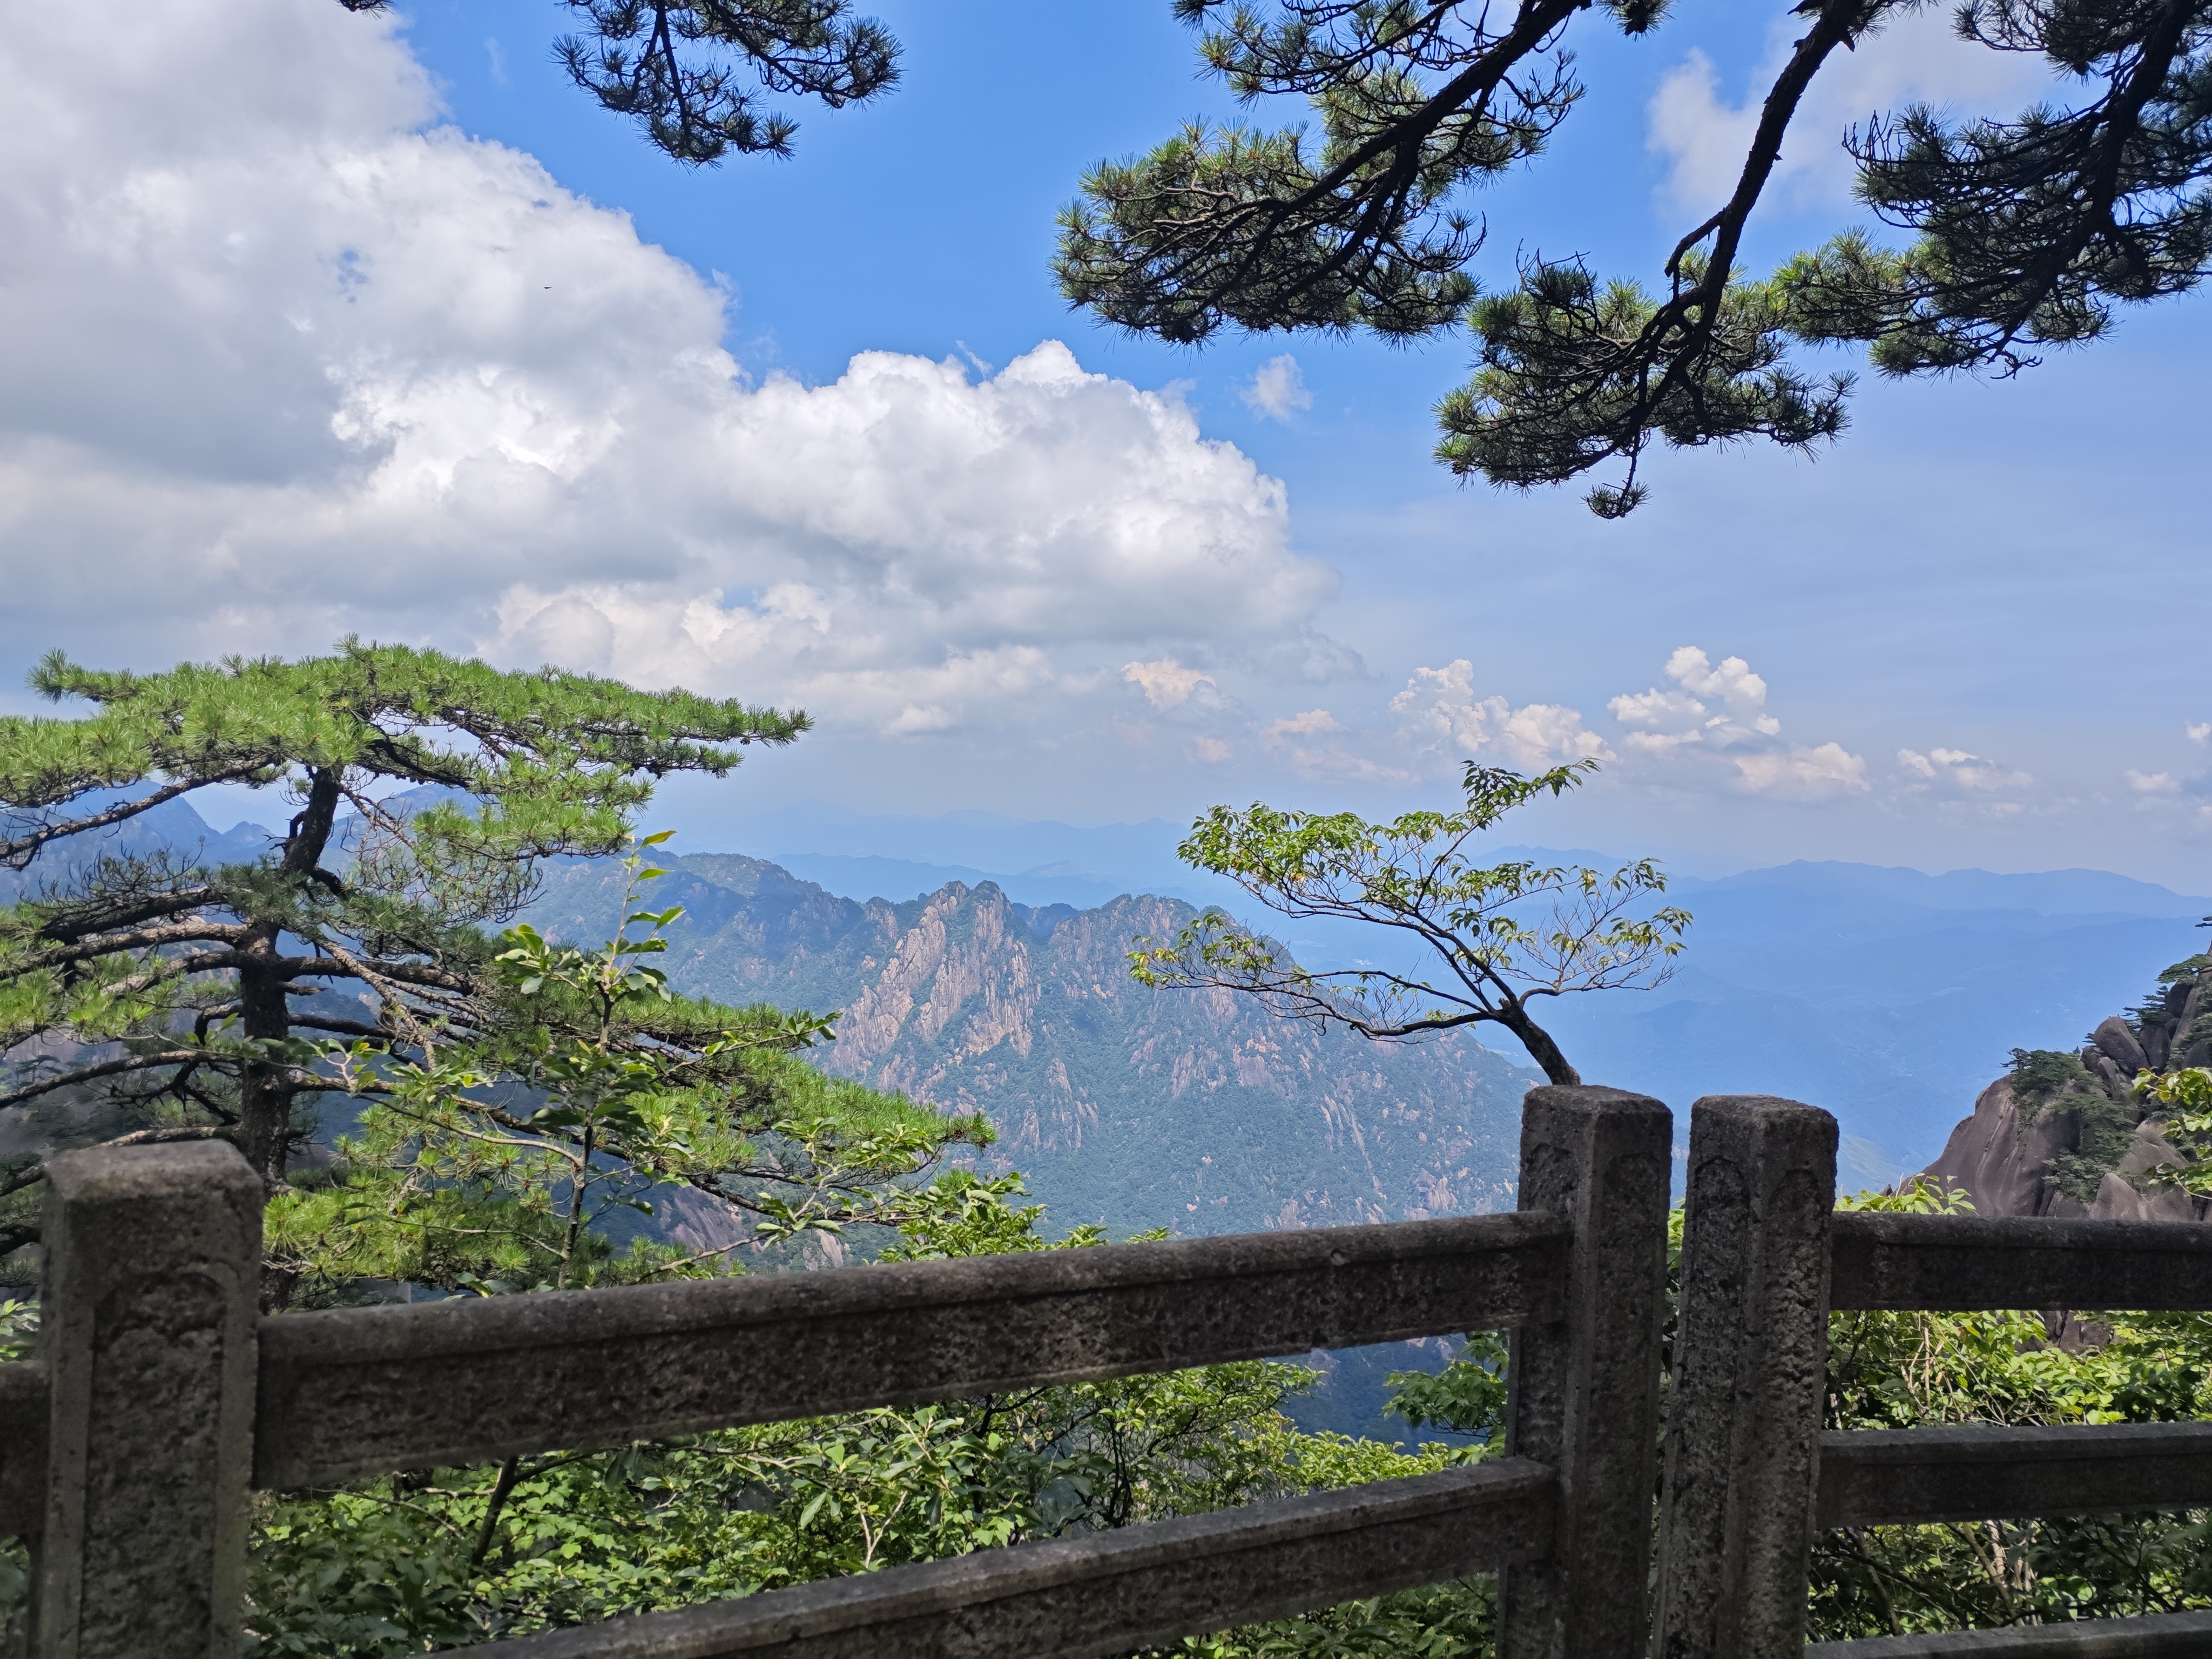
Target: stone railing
{"x": 1751, "y": 1478}
{"x": 128, "y": 1450}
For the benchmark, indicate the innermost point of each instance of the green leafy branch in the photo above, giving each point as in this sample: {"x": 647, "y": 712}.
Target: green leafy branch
{"x": 1416, "y": 877}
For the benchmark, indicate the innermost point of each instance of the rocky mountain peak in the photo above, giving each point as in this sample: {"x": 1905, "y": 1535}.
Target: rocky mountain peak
{"x": 1197, "y": 1110}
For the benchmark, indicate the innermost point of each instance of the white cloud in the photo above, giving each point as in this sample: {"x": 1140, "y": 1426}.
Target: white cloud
{"x": 1277, "y": 390}
{"x": 2152, "y": 783}
{"x": 2198, "y": 732}
{"x": 283, "y": 363}
{"x": 1959, "y": 768}
{"x": 1314, "y": 723}
{"x": 1720, "y": 707}
{"x": 1443, "y": 722}
{"x": 1661, "y": 744}
{"x": 1656, "y": 708}
{"x": 1712, "y": 719}
{"x": 1916, "y": 58}
{"x": 1804, "y": 774}
{"x": 1211, "y": 750}
{"x": 1167, "y": 683}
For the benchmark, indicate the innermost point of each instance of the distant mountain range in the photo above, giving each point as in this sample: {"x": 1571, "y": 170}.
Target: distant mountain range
{"x": 1888, "y": 995}
{"x": 1121, "y": 1104}
{"x": 1000, "y": 982}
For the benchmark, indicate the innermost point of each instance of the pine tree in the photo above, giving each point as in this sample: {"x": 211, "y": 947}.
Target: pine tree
{"x": 191, "y": 998}
{"x": 2021, "y": 234}
{"x": 692, "y": 75}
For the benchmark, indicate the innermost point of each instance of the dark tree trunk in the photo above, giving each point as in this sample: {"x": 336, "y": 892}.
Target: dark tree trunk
{"x": 264, "y": 1096}
{"x": 1538, "y": 1042}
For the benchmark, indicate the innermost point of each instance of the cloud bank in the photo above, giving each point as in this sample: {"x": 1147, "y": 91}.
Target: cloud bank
{"x": 1705, "y": 729}
{"x": 289, "y": 359}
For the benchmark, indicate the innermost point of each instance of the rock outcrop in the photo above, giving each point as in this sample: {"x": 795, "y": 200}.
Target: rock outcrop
{"x": 2057, "y": 1139}
{"x": 2001, "y": 1160}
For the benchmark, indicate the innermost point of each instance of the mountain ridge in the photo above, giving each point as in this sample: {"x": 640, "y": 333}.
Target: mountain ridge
{"x": 1195, "y": 1110}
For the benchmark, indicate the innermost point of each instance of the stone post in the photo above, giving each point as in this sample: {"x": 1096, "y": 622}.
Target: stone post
{"x": 147, "y": 1331}
{"x": 1751, "y": 1348}
{"x": 1583, "y": 1394}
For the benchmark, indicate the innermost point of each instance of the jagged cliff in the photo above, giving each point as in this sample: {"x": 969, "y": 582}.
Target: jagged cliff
{"x": 2065, "y": 1134}
{"x": 1123, "y": 1104}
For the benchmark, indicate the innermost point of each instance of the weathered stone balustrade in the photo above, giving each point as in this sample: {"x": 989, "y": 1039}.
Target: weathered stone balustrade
{"x": 127, "y": 1451}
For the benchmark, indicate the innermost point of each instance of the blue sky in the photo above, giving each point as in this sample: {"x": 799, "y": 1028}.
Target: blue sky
{"x": 307, "y": 345}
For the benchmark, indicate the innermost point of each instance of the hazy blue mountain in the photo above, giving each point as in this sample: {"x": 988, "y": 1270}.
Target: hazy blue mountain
{"x": 1829, "y": 984}
{"x": 1062, "y": 883}
{"x": 173, "y": 827}
{"x": 2064, "y": 892}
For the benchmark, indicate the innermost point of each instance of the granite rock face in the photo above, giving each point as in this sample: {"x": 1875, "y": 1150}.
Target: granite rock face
{"x": 2116, "y": 1039}
{"x": 2000, "y": 1161}
{"x": 1197, "y": 1110}
{"x": 1994, "y": 1158}
{"x": 2009, "y": 1155}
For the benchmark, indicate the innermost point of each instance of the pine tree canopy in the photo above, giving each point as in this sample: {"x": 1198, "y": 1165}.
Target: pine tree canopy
{"x": 428, "y": 789}
{"x": 2019, "y": 233}
{"x": 692, "y": 76}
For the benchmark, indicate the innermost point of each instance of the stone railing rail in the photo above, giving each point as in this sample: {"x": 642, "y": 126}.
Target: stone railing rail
{"x": 160, "y": 1399}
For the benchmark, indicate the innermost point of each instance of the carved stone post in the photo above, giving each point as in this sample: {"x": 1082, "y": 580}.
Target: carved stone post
{"x": 153, "y": 1258}
{"x": 1584, "y": 1392}
{"x": 1751, "y": 1348}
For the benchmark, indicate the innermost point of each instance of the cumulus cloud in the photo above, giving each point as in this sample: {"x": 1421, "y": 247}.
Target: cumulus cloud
{"x": 1706, "y": 728}
{"x": 1712, "y": 718}
{"x": 1827, "y": 769}
{"x": 1277, "y": 390}
{"x": 1702, "y": 134}
{"x": 1715, "y": 705}
{"x": 1959, "y": 768}
{"x": 1440, "y": 720}
{"x": 2153, "y": 783}
{"x": 1166, "y": 684}
{"x": 1315, "y": 722}
{"x": 2199, "y": 731}
{"x": 287, "y": 359}
{"x": 1703, "y": 728}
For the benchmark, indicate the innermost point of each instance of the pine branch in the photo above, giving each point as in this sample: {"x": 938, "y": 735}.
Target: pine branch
{"x": 17, "y": 854}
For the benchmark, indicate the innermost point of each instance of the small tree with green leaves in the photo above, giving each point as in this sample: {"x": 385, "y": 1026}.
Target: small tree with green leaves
{"x": 495, "y": 1159}
{"x": 1508, "y": 935}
